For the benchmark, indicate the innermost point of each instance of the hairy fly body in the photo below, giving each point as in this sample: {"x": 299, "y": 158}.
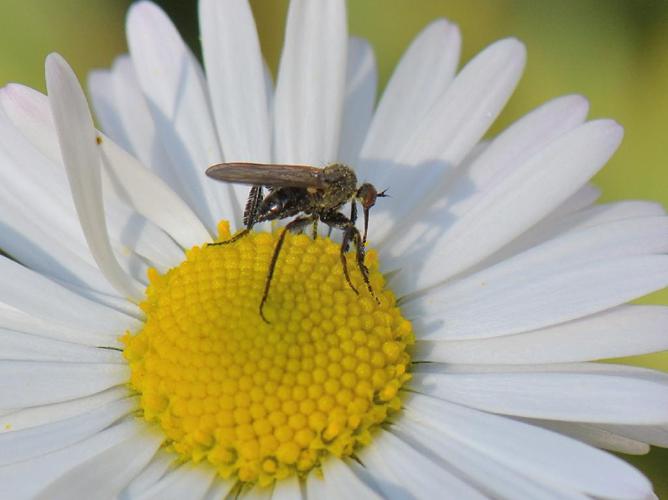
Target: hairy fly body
{"x": 310, "y": 195}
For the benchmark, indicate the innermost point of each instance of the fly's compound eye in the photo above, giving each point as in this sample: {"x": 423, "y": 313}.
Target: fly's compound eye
{"x": 367, "y": 195}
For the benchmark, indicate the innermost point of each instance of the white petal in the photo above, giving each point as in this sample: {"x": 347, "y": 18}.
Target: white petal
{"x": 311, "y": 83}
{"x": 40, "y": 297}
{"x": 361, "y": 82}
{"x": 424, "y": 72}
{"x": 236, "y": 80}
{"x": 574, "y": 397}
{"x": 536, "y": 300}
{"x": 174, "y": 86}
{"x": 488, "y": 474}
{"x": 143, "y": 243}
{"x": 30, "y": 240}
{"x": 514, "y": 203}
{"x": 235, "y": 74}
{"x": 17, "y": 446}
{"x": 107, "y": 111}
{"x": 542, "y": 455}
{"x": 473, "y": 101}
{"x": 510, "y": 149}
{"x": 151, "y": 197}
{"x": 32, "y": 383}
{"x": 111, "y": 301}
{"x": 608, "y": 212}
{"x": 13, "y": 319}
{"x": 106, "y": 474}
{"x": 188, "y": 481}
{"x": 136, "y": 118}
{"x": 256, "y": 492}
{"x": 22, "y": 346}
{"x": 582, "y": 198}
{"x": 559, "y": 223}
{"x": 24, "y": 480}
{"x": 615, "y": 370}
{"x": 152, "y": 473}
{"x": 526, "y": 137}
{"x": 29, "y": 112}
{"x": 269, "y": 89}
{"x": 221, "y": 488}
{"x": 41, "y": 415}
{"x": 27, "y": 229}
{"x": 571, "y": 252}
{"x": 402, "y": 472}
{"x": 595, "y": 436}
{"x": 447, "y": 134}
{"x": 339, "y": 481}
{"x": 41, "y": 236}
{"x": 81, "y": 156}
{"x": 574, "y": 210}
{"x": 623, "y": 331}
{"x": 654, "y": 435}
{"x": 287, "y": 489}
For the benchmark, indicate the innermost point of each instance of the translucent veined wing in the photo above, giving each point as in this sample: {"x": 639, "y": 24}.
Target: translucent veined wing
{"x": 268, "y": 174}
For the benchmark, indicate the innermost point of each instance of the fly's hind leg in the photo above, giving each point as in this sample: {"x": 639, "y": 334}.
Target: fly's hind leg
{"x": 350, "y": 234}
{"x": 255, "y": 196}
{"x": 294, "y": 225}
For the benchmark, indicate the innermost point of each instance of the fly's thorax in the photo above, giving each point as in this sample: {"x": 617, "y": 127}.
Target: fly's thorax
{"x": 341, "y": 185}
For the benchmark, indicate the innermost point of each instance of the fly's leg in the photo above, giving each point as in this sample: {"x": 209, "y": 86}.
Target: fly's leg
{"x": 234, "y": 238}
{"x": 339, "y": 221}
{"x": 353, "y": 212}
{"x": 294, "y": 225}
{"x": 350, "y": 234}
{"x": 345, "y": 246}
{"x": 353, "y": 233}
{"x": 252, "y": 206}
{"x": 250, "y": 215}
{"x": 314, "y": 229}
{"x": 353, "y": 219}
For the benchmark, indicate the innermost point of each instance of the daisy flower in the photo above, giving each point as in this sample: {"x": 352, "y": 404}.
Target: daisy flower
{"x": 135, "y": 363}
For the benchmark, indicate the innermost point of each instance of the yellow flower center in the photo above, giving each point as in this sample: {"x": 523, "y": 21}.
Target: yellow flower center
{"x": 264, "y": 401}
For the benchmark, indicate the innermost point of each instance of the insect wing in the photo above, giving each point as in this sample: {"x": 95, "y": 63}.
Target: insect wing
{"x": 267, "y": 174}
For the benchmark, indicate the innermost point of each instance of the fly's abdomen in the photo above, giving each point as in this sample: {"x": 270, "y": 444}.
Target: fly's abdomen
{"x": 285, "y": 202}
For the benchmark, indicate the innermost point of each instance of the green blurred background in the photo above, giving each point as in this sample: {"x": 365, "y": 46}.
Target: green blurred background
{"x": 615, "y": 52}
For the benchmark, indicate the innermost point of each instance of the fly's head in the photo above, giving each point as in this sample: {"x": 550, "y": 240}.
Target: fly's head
{"x": 367, "y": 195}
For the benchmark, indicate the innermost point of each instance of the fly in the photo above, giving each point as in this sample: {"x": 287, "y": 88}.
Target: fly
{"x": 310, "y": 195}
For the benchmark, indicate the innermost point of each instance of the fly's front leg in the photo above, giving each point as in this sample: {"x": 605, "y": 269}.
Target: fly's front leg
{"x": 250, "y": 215}
{"x": 294, "y": 225}
{"x": 353, "y": 212}
{"x": 353, "y": 233}
{"x": 345, "y": 245}
{"x": 350, "y": 234}
{"x": 339, "y": 221}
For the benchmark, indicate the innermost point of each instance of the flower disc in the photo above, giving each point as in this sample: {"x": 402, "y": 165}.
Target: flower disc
{"x": 261, "y": 401}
